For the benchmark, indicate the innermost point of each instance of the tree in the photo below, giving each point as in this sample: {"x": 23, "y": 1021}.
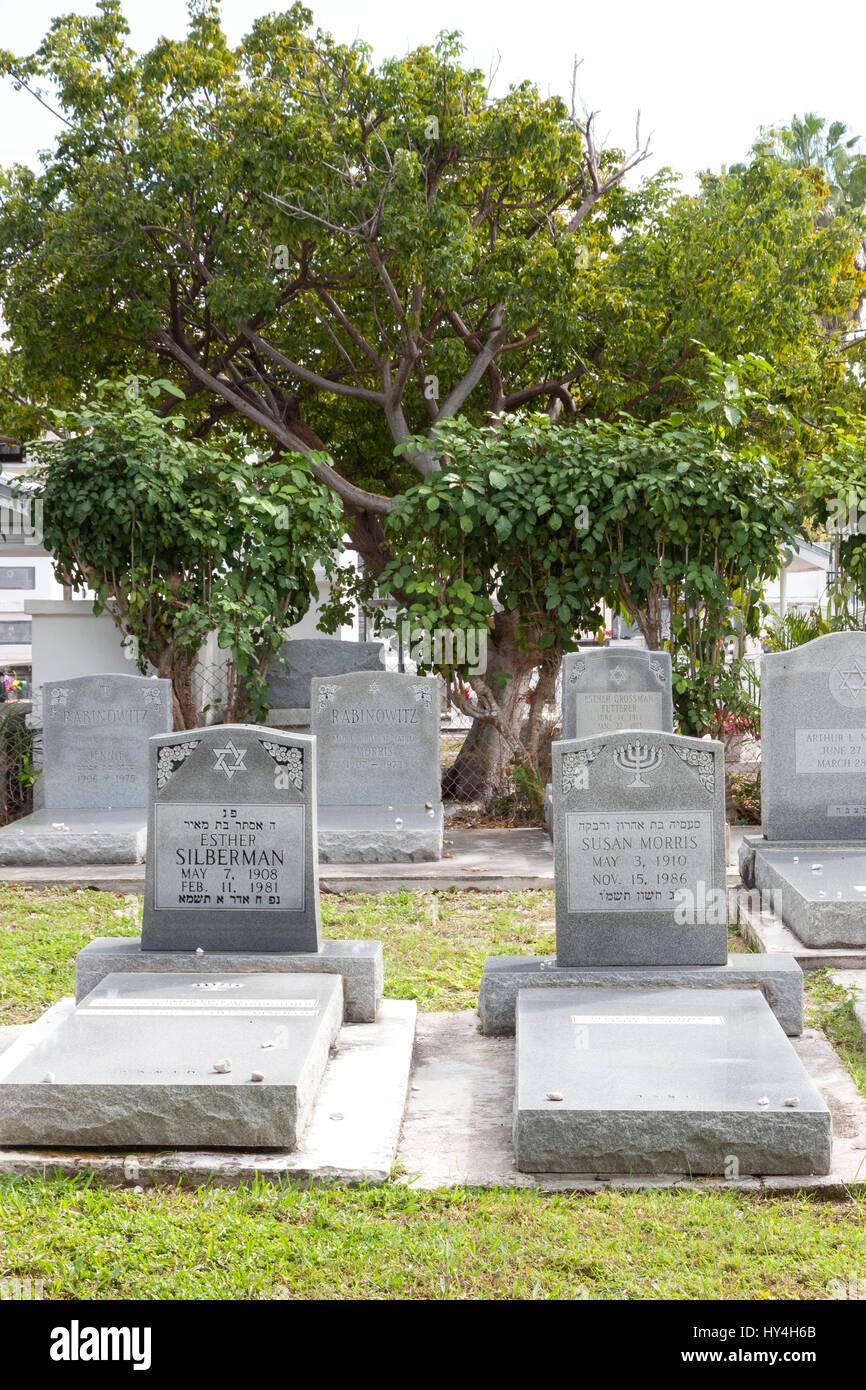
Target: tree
{"x": 346, "y": 257}
{"x": 543, "y": 521}
{"x": 179, "y": 539}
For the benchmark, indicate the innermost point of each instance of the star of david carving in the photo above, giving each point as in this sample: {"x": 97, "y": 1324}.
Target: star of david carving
{"x": 220, "y": 756}
{"x": 852, "y": 678}
{"x": 617, "y": 675}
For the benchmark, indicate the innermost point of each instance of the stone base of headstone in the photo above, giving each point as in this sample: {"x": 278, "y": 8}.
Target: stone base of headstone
{"x": 777, "y": 976}
{"x": 697, "y": 1082}
{"x": 157, "y": 1060}
{"x": 818, "y": 889}
{"x": 380, "y": 835}
{"x": 59, "y": 836}
{"x": 360, "y": 963}
{"x": 291, "y": 718}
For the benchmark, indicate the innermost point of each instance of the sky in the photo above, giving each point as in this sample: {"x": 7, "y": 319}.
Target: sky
{"x": 704, "y": 77}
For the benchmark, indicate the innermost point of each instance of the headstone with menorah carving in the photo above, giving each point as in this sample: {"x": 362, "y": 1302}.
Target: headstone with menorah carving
{"x": 639, "y": 845}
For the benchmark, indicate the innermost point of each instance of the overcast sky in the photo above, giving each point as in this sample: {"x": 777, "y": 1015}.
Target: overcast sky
{"x": 705, "y": 77}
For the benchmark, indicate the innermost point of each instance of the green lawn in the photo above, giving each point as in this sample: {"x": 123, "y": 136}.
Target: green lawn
{"x": 270, "y": 1240}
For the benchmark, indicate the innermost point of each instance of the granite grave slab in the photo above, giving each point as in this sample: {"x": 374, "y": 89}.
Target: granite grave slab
{"x": 377, "y": 742}
{"x": 232, "y": 862}
{"x": 693, "y": 1082}
{"x": 818, "y": 891}
{"x": 222, "y": 1061}
{"x": 639, "y": 850}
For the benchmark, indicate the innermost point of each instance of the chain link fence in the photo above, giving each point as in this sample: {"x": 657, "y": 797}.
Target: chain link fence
{"x": 19, "y": 753}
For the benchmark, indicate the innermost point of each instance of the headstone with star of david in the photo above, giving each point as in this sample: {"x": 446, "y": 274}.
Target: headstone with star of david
{"x": 606, "y": 688}
{"x": 232, "y": 862}
{"x": 95, "y": 733}
{"x": 813, "y": 740}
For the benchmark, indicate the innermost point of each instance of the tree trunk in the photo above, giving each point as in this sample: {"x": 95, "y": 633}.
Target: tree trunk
{"x": 480, "y": 770}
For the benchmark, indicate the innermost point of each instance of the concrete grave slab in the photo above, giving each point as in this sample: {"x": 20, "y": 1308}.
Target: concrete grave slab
{"x": 155, "y": 1060}
{"x": 667, "y": 1081}
{"x": 394, "y": 834}
{"x": 820, "y": 893}
{"x": 70, "y": 836}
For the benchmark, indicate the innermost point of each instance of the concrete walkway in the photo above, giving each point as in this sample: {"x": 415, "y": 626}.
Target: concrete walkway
{"x": 489, "y": 860}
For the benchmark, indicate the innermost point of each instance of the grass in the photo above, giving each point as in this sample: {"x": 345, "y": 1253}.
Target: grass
{"x": 830, "y": 1007}
{"x": 270, "y": 1241}
{"x": 435, "y": 943}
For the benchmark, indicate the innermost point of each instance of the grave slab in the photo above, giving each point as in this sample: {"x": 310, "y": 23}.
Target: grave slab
{"x": 778, "y": 977}
{"x": 352, "y": 1136}
{"x": 669, "y": 1081}
{"x": 639, "y": 850}
{"x": 232, "y": 861}
{"x": 154, "y": 1060}
{"x": 360, "y": 963}
{"x": 611, "y": 688}
{"x": 71, "y": 836}
{"x": 820, "y": 893}
{"x": 813, "y": 740}
{"x": 768, "y": 934}
{"x": 395, "y": 834}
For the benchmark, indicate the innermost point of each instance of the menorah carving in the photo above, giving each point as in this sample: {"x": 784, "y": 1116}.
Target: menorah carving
{"x": 637, "y": 758}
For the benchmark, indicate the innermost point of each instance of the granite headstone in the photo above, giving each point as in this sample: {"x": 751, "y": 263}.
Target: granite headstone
{"x": 606, "y": 688}
{"x": 301, "y": 658}
{"x": 377, "y": 739}
{"x": 95, "y": 732}
{"x": 639, "y": 850}
{"x": 232, "y": 862}
{"x": 813, "y": 740}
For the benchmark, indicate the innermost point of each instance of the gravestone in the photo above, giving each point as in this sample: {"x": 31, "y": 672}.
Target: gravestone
{"x": 639, "y": 873}
{"x": 813, "y": 740}
{"x": 377, "y": 739}
{"x": 655, "y": 1081}
{"x": 607, "y": 688}
{"x": 232, "y": 842}
{"x": 301, "y": 658}
{"x": 639, "y": 850}
{"x": 810, "y": 862}
{"x": 232, "y": 881}
{"x": 95, "y": 733}
{"x": 163, "y": 1059}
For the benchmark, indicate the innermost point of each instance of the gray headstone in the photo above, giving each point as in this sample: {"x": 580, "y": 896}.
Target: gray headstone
{"x": 813, "y": 740}
{"x": 95, "y": 732}
{"x": 377, "y": 738}
{"x": 606, "y": 688}
{"x": 639, "y": 850}
{"x": 231, "y": 862}
{"x": 662, "y": 1081}
{"x": 141, "y": 1062}
{"x": 306, "y": 657}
